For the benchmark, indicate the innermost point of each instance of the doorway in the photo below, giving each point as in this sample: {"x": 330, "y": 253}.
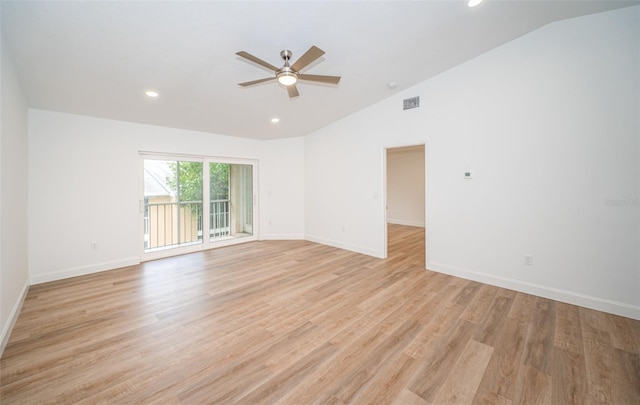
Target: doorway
{"x": 405, "y": 209}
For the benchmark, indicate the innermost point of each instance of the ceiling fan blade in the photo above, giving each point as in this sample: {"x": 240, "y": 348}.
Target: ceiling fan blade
{"x": 251, "y": 83}
{"x": 309, "y": 57}
{"x": 293, "y": 91}
{"x": 259, "y": 61}
{"x": 320, "y": 78}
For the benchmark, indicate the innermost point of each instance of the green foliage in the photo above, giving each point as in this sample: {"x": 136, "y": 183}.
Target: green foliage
{"x": 219, "y": 181}
{"x": 191, "y": 180}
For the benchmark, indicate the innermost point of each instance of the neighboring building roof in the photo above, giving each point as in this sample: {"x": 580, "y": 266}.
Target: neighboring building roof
{"x": 156, "y": 173}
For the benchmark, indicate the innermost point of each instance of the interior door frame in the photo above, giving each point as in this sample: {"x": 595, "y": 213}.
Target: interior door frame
{"x": 385, "y": 152}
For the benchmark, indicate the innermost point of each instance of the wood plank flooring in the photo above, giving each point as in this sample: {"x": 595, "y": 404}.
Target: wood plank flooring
{"x": 294, "y": 322}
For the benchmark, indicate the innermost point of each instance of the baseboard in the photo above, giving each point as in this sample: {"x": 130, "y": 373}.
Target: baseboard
{"x": 279, "y": 236}
{"x": 84, "y": 270}
{"x": 569, "y": 297}
{"x": 13, "y": 317}
{"x": 405, "y": 222}
{"x": 345, "y": 246}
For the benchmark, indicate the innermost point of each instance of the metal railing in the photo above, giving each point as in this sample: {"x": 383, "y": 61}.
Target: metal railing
{"x": 171, "y": 224}
{"x": 219, "y": 219}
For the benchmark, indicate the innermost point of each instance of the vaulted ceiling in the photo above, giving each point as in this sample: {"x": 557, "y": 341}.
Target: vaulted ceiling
{"x": 97, "y": 58}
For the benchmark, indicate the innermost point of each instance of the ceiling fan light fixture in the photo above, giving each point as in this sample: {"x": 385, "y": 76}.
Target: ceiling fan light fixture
{"x": 287, "y": 78}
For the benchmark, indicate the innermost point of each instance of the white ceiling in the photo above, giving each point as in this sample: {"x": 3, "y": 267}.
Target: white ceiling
{"x": 97, "y": 57}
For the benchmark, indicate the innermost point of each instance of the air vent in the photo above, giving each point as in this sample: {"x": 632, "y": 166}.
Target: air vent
{"x": 411, "y": 103}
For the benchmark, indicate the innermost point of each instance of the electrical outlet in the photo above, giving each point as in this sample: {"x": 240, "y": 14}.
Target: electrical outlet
{"x": 528, "y": 260}
{"x": 93, "y": 245}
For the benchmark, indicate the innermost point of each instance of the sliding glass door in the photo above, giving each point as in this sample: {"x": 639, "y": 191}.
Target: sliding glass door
{"x": 230, "y": 201}
{"x": 195, "y": 203}
{"x": 172, "y": 203}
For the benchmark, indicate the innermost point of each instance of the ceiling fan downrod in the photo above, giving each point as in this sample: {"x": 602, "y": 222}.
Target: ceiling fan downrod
{"x": 286, "y": 76}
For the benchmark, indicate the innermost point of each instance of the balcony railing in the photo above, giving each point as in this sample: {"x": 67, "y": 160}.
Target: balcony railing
{"x": 173, "y": 224}
{"x": 219, "y": 219}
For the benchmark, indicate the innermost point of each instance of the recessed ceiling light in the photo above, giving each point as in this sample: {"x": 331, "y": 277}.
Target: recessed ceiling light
{"x": 275, "y": 120}
{"x": 392, "y": 85}
{"x": 473, "y": 3}
{"x": 151, "y": 93}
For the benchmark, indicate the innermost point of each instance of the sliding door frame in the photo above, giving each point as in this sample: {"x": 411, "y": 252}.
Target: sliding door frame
{"x": 206, "y": 242}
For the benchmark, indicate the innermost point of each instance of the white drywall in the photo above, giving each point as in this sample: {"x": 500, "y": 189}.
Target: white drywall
{"x": 549, "y": 125}
{"x": 85, "y": 185}
{"x": 14, "y": 276}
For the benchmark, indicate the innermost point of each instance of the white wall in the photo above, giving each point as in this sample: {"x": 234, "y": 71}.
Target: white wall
{"x": 14, "y": 276}
{"x": 282, "y": 189}
{"x": 85, "y": 185}
{"x": 549, "y": 125}
{"x": 405, "y": 186}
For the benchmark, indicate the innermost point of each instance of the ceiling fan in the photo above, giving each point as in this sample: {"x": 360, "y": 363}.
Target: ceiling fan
{"x": 288, "y": 75}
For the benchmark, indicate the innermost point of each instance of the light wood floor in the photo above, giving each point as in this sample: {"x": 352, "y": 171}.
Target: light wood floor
{"x": 295, "y": 322}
